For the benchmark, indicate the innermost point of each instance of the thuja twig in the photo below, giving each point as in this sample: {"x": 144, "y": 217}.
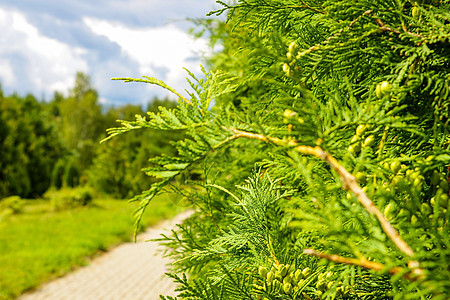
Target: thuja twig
{"x": 308, "y": 7}
{"x": 152, "y": 80}
{"x": 315, "y": 47}
{"x": 383, "y": 140}
{"x": 363, "y": 262}
{"x": 348, "y": 180}
{"x": 160, "y": 83}
{"x": 272, "y": 251}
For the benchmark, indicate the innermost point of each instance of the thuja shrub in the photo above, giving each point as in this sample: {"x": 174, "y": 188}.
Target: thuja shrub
{"x": 325, "y": 155}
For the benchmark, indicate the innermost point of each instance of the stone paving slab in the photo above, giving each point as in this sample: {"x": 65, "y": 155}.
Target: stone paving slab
{"x": 131, "y": 271}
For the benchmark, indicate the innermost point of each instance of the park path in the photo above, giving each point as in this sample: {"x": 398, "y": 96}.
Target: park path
{"x": 131, "y": 271}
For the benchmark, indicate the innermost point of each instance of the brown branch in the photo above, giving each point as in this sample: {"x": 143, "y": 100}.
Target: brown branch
{"x": 412, "y": 275}
{"x": 214, "y": 220}
{"x": 385, "y": 28}
{"x": 348, "y": 180}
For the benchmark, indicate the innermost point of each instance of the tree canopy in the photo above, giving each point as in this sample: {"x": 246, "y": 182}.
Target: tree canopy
{"x": 56, "y": 144}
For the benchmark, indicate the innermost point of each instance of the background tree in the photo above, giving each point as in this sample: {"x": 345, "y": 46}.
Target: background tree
{"x": 56, "y": 144}
{"x": 81, "y": 121}
{"x": 29, "y": 147}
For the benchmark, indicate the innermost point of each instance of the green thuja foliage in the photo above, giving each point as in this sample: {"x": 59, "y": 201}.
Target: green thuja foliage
{"x": 322, "y": 132}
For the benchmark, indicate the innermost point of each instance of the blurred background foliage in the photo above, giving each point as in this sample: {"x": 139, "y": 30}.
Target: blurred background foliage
{"x": 56, "y": 145}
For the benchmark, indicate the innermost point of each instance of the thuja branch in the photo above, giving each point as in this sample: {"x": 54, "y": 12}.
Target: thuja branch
{"x": 158, "y": 82}
{"x": 307, "y": 7}
{"x": 348, "y": 180}
{"x": 317, "y": 46}
{"x": 363, "y": 262}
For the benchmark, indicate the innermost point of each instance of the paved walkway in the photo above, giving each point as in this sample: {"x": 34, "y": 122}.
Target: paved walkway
{"x": 131, "y": 271}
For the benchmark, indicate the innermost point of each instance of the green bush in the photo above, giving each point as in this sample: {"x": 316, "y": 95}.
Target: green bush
{"x": 342, "y": 108}
{"x": 68, "y": 198}
{"x": 11, "y": 205}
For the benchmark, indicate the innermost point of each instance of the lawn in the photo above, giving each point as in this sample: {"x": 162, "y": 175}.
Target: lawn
{"x": 40, "y": 244}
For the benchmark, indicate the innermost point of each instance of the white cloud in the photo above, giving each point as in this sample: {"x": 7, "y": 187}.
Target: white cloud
{"x": 155, "y": 49}
{"x": 6, "y": 72}
{"x": 46, "y": 64}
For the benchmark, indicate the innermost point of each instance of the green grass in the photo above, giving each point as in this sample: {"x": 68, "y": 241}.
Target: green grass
{"x": 41, "y": 244}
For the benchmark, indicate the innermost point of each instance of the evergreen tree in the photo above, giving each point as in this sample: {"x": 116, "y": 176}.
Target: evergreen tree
{"x": 81, "y": 121}
{"x": 29, "y": 147}
{"x": 326, "y": 156}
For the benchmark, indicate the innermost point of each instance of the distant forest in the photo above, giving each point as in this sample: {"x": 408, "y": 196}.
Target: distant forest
{"x": 57, "y": 144}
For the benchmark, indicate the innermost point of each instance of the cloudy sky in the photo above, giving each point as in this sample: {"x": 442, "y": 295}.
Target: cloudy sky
{"x": 43, "y": 43}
